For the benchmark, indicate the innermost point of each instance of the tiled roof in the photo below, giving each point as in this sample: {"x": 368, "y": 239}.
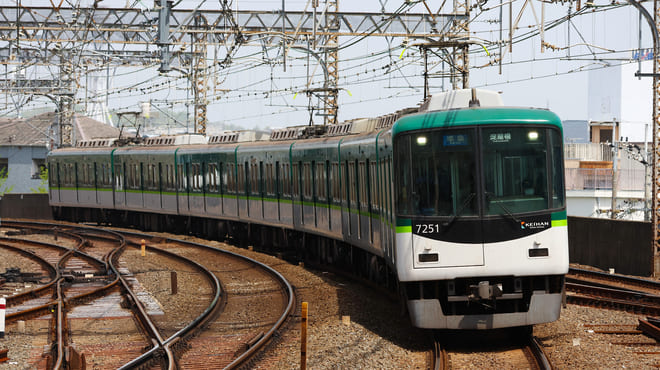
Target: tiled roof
{"x": 35, "y": 131}
{"x": 88, "y": 128}
{"x": 19, "y": 131}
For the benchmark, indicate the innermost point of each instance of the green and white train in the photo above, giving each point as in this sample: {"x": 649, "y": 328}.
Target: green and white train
{"x": 460, "y": 205}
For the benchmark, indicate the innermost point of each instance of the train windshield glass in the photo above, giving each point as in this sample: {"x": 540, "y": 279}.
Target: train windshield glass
{"x": 521, "y": 171}
{"x": 515, "y": 161}
{"x": 437, "y": 173}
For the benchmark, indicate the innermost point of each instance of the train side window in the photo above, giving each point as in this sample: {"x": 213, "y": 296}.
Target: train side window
{"x": 334, "y": 182}
{"x": 256, "y": 179}
{"x": 154, "y": 176}
{"x": 362, "y": 184}
{"x": 307, "y": 181}
{"x": 286, "y": 174}
{"x": 220, "y": 174}
{"x": 204, "y": 176}
{"x": 88, "y": 174}
{"x": 159, "y": 176}
{"x": 262, "y": 180}
{"x": 109, "y": 176}
{"x": 294, "y": 179}
{"x": 343, "y": 184}
{"x": 240, "y": 179}
{"x": 129, "y": 176}
{"x": 83, "y": 174}
{"x": 119, "y": 178}
{"x": 322, "y": 186}
{"x": 51, "y": 178}
{"x": 198, "y": 176}
{"x": 390, "y": 197}
{"x": 403, "y": 176}
{"x": 95, "y": 170}
{"x": 352, "y": 183}
{"x": 557, "y": 169}
{"x": 148, "y": 179}
{"x": 268, "y": 179}
{"x": 383, "y": 185}
{"x": 228, "y": 179}
{"x": 138, "y": 175}
{"x": 190, "y": 175}
{"x": 373, "y": 188}
{"x": 210, "y": 177}
{"x": 171, "y": 178}
{"x": 180, "y": 178}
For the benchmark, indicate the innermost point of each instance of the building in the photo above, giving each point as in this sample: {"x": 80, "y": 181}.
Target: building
{"x": 617, "y": 131}
{"x": 24, "y": 144}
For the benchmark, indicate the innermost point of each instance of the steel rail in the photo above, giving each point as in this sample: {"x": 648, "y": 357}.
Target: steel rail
{"x": 198, "y": 322}
{"x": 614, "y": 293}
{"x": 439, "y": 356}
{"x": 628, "y": 280}
{"x": 592, "y": 301}
{"x": 142, "y": 316}
{"x": 538, "y": 353}
{"x": 243, "y": 358}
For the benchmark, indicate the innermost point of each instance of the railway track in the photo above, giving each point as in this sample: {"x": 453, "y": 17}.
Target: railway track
{"x": 512, "y": 348}
{"x": 211, "y": 316}
{"x": 613, "y": 291}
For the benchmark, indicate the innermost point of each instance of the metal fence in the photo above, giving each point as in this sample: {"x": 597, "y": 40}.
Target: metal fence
{"x": 601, "y": 178}
{"x": 588, "y": 151}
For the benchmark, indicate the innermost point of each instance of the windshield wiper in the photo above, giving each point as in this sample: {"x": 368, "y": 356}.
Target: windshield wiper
{"x": 506, "y": 210}
{"x": 460, "y": 211}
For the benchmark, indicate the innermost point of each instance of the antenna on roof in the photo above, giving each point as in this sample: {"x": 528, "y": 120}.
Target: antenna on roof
{"x": 474, "y": 102}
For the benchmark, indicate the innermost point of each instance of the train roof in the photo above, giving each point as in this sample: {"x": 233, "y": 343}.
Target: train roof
{"x": 476, "y": 116}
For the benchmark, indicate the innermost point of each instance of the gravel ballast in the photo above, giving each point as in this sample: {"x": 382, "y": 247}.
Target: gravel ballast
{"x": 353, "y": 326}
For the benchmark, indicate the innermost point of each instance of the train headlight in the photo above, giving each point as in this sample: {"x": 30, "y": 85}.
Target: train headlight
{"x": 421, "y": 140}
{"x": 533, "y": 135}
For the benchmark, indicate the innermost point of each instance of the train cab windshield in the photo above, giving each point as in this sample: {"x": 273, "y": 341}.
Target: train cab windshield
{"x": 505, "y": 169}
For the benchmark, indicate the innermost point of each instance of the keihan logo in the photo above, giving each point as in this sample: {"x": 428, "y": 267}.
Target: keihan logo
{"x": 534, "y": 225}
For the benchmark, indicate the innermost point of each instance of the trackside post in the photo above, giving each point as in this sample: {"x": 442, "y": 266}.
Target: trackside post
{"x": 303, "y": 337}
{"x": 3, "y": 303}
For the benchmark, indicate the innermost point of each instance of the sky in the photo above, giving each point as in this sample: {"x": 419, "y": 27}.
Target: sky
{"x": 557, "y": 78}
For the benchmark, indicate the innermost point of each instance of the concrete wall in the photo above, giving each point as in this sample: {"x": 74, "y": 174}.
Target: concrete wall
{"x": 21, "y": 167}
{"x": 32, "y": 206}
{"x": 625, "y": 246}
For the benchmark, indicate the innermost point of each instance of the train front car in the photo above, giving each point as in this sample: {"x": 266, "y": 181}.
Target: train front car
{"x": 480, "y": 215}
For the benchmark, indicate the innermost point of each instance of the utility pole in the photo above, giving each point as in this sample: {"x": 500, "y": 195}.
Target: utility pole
{"x": 615, "y": 155}
{"x": 332, "y": 62}
{"x": 199, "y": 75}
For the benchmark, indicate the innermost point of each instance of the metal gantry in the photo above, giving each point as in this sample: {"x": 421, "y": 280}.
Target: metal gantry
{"x": 133, "y": 36}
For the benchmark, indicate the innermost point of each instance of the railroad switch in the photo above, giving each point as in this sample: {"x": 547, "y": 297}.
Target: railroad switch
{"x": 14, "y": 275}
